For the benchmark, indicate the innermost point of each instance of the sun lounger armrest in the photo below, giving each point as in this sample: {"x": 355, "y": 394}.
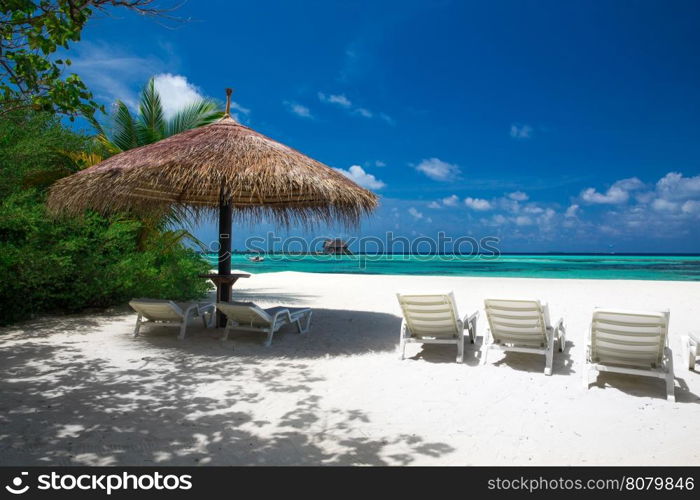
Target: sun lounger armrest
{"x": 470, "y": 318}
{"x": 559, "y": 324}
{"x": 282, "y": 312}
{"x": 668, "y": 354}
{"x": 205, "y": 308}
{"x": 193, "y": 307}
{"x": 469, "y": 323}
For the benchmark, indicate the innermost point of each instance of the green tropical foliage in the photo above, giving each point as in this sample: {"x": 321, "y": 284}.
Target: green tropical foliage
{"x": 31, "y": 32}
{"x": 70, "y": 264}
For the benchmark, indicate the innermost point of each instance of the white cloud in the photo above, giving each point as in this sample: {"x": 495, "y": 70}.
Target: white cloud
{"x": 357, "y": 174}
{"x": 618, "y": 193}
{"x": 477, "y": 204}
{"x": 509, "y": 205}
{"x": 630, "y": 184}
{"x": 521, "y": 131}
{"x": 438, "y": 170}
{"x": 612, "y": 196}
{"x": 499, "y": 219}
{"x": 523, "y": 220}
{"x": 533, "y": 209}
{"x": 342, "y": 101}
{"x": 691, "y": 207}
{"x": 387, "y": 119}
{"x": 338, "y": 99}
{"x": 673, "y": 186}
{"x": 434, "y": 204}
{"x": 451, "y": 201}
{"x": 298, "y": 109}
{"x": 114, "y": 74}
{"x": 662, "y": 205}
{"x": 175, "y": 93}
{"x": 572, "y": 211}
{"x": 518, "y": 196}
{"x": 415, "y": 213}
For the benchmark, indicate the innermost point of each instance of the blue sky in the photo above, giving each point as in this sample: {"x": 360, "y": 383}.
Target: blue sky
{"x": 556, "y": 126}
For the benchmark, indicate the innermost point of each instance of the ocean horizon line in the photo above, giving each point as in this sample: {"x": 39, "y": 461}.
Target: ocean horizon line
{"x": 611, "y": 254}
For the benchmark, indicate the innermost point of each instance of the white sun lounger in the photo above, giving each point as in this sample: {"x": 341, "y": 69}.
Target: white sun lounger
{"x": 692, "y": 345}
{"x": 246, "y": 316}
{"x": 168, "y": 312}
{"x": 433, "y": 319}
{"x": 522, "y": 326}
{"x": 630, "y": 342}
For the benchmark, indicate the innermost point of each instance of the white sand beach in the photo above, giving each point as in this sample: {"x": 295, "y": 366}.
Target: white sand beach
{"x": 81, "y": 390}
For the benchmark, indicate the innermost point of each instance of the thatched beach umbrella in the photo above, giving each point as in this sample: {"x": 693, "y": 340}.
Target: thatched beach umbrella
{"x": 223, "y": 168}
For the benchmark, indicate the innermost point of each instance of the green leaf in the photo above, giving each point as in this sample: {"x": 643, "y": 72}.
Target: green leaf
{"x": 151, "y": 122}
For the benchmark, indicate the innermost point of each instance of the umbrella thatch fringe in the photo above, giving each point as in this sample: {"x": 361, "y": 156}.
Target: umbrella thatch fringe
{"x": 261, "y": 178}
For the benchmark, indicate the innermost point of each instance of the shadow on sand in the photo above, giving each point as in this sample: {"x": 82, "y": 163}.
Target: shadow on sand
{"x": 159, "y": 401}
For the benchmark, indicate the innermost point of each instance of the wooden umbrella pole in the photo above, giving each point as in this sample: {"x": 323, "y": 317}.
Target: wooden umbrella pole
{"x": 225, "y": 229}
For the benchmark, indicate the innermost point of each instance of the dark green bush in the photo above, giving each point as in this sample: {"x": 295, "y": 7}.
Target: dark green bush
{"x": 66, "y": 265}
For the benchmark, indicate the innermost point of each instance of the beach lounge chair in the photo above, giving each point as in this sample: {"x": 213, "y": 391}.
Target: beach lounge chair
{"x": 522, "y": 326}
{"x": 692, "y": 343}
{"x": 433, "y": 319}
{"x": 630, "y": 342}
{"x": 246, "y": 316}
{"x": 168, "y": 312}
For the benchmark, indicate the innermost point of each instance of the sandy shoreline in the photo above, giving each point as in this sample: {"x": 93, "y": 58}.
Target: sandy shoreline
{"x": 80, "y": 390}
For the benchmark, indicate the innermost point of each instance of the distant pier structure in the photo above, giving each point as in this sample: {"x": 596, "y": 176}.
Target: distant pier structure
{"x": 336, "y": 247}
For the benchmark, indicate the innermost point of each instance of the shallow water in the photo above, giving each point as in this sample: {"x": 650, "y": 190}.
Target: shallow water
{"x": 628, "y": 267}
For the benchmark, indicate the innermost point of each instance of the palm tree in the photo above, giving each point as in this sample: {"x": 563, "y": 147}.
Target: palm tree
{"x": 126, "y": 131}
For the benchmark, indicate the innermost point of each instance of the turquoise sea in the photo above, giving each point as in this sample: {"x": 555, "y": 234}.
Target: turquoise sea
{"x": 627, "y": 267}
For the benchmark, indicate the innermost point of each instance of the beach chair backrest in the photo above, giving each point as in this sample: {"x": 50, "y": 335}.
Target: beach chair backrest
{"x": 157, "y": 310}
{"x": 518, "y": 322}
{"x": 629, "y": 337}
{"x": 430, "y": 315}
{"x": 245, "y": 313}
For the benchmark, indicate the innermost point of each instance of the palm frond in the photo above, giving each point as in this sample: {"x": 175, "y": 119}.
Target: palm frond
{"x": 179, "y": 236}
{"x": 83, "y": 159}
{"x": 196, "y": 114}
{"x": 102, "y": 137}
{"x": 124, "y": 133}
{"x": 151, "y": 124}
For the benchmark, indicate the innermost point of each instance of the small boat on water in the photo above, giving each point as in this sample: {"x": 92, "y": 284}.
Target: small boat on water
{"x": 256, "y": 258}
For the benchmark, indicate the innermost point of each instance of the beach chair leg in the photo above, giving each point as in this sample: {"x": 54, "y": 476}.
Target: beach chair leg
{"x": 548, "y": 362}
{"x": 270, "y": 333}
{"x": 402, "y": 349}
{"x": 670, "y": 377}
{"x": 485, "y": 347}
{"x": 691, "y": 351}
{"x": 460, "y": 349}
{"x": 402, "y": 340}
{"x": 138, "y": 325}
{"x": 562, "y": 338}
{"x": 307, "y": 324}
{"x": 183, "y": 329}
{"x": 670, "y": 390}
{"x": 227, "y": 329}
{"x": 587, "y": 376}
{"x": 549, "y": 356}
